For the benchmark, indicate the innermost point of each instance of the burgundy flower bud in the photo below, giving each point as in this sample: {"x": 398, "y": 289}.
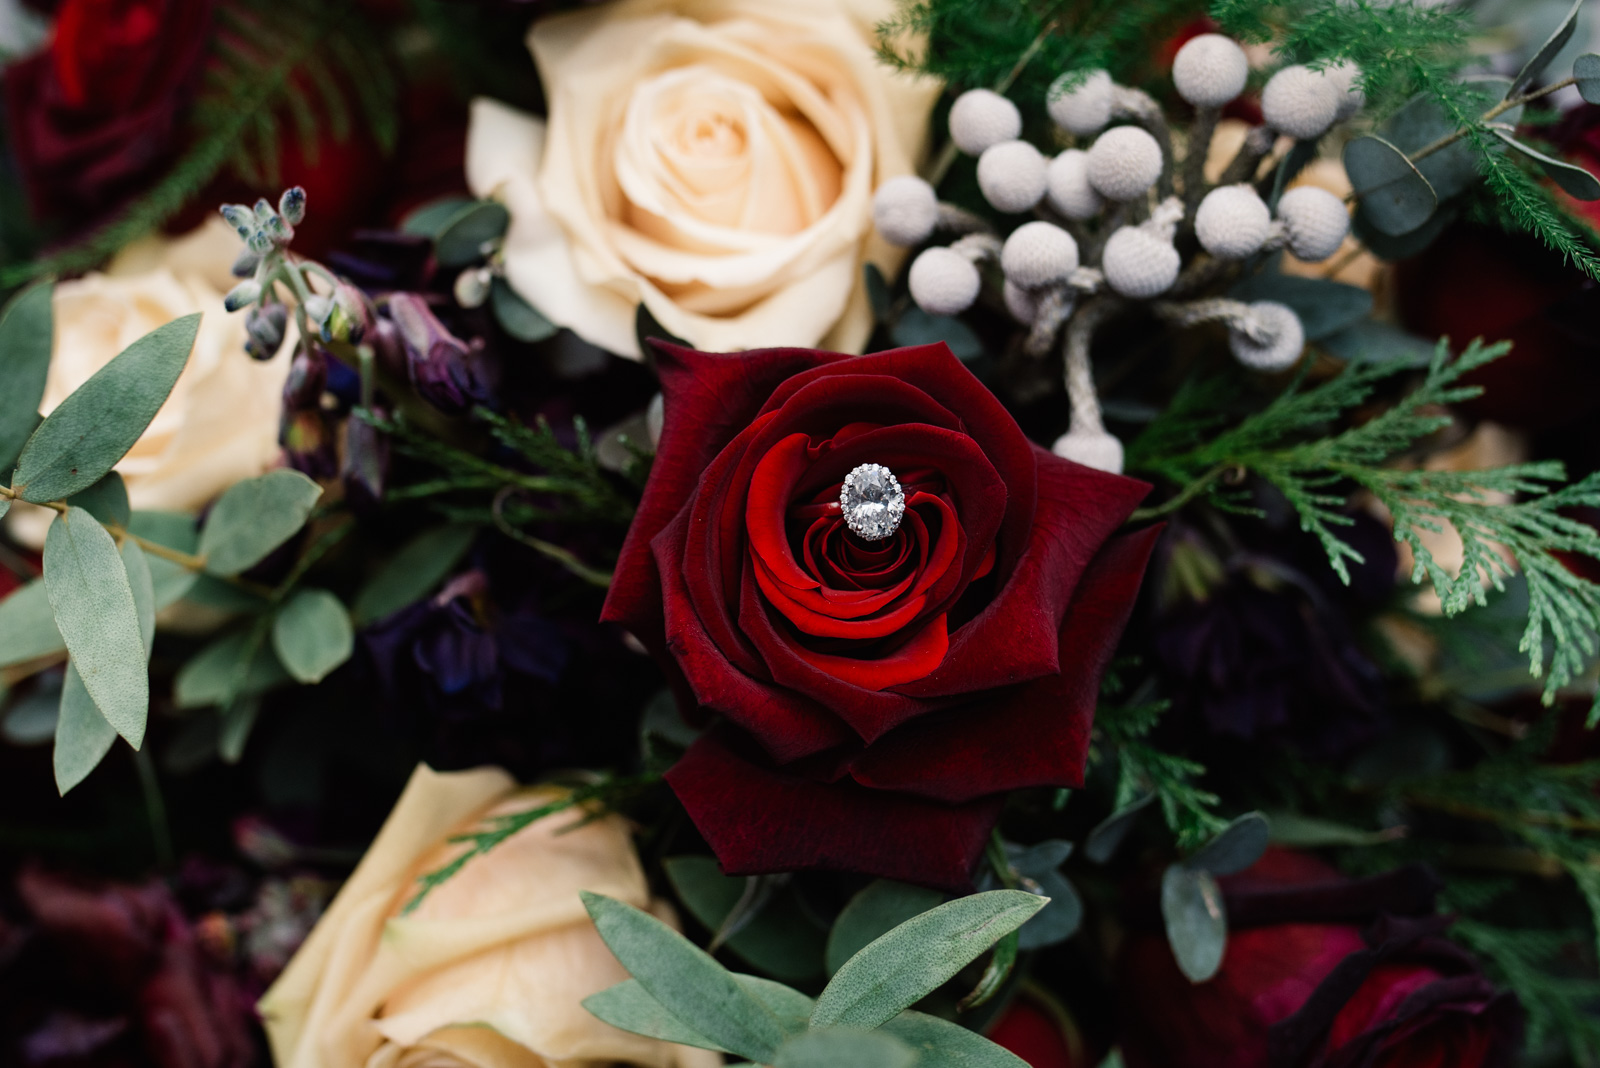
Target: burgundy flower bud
{"x": 447, "y": 372}
{"x": 308, "y": 443}
{"x": 390, "y": 350}
{"x": 308, "y": 376}
{"x": 366, "y": 461}
{"x": 264, "y": 326}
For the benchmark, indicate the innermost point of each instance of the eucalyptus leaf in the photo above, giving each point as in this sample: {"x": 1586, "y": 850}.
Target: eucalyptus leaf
{"x": 1325, "y": 307}
{"x": 1311, "y": 832}
{"x": 238, "y": 719}
{"x": 1041, "y": 858}
{"x": 106, "y": 500}
{"x": 845, "y": 1048}
{"x": 31, "y": 718}
{"x": 917, "y": 957}
{"x": 431, "y": 218}
{"x": 917, "y": 327}
{"x": 1393, "y": 192}
{"x": 1421, "y": 121}
{"x": 1546, "y": 52}
{"x": 1586, "y": 69}
{"x": 1057, "y": 921}
{"x": 1197, "y": 927}
{"x": 176, "y": 531}
{"x": 92, "y": 429}
{"x": 1371, "y": 341}
{"x": 312, "y": 635}
{"x": 942, "y": 1044}
{"x": 26, "y": 333}
{"x": 212, "y": 676}
{"x": 1239, "y": 845}
{"x": 877, "y": 909}
{"x": 83, "y": 737}
{"x": 778, "y": 939}
{"x": 1109, "y": 834}
{"x": 413, "y": 572}
{"x": 629, "y": 1007}
{"x": 99, "y": 619}
{"x": 1392, "y": 247}
{"x": 254, "y": 517}
{"x": 28, "y": 626}
{"x": 516, "y": 316}
{"x": 136, "y": 565}
{"x": 462, "y": 239}
{"x": 687, "y": 982}
{"x": 5, "y": 506}
{"x": 1569, "y": 176}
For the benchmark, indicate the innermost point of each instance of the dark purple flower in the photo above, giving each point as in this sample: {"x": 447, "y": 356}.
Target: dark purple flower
{"x": 366, "y": 461}
{"x": 451, "y": 374}
{"x": 307, "y": 438}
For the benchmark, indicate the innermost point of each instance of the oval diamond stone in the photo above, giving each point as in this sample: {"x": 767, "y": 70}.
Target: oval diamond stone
{"x": 873, "y": 502}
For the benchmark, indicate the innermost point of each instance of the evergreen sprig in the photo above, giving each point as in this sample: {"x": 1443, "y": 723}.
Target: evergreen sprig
{"x": 1190, "y": 811}
{"x": 1516, "y": 509}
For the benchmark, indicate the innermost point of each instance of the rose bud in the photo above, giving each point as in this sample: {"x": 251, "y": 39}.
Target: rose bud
{"x": 264, "y": 325}
{"x": 1319, "y": 970}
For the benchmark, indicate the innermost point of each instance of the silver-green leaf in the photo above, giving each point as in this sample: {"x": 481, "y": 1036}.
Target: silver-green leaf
{"x": 942, "y": 1044}
{"x": 878, "y": 909}
{"x": 629, "y": 1007}
{"x": 900, "y": 968}
{"x": 312, "y": 635}
{"x": 92, "y": 429}
{"x": 1547, "y": 51}
{"x": 413, "y": 572}
{"x": 219, "y": 673}
{"x": 842, "y": 1047}
{"x": 1586, "y": 69}
{"x": 28, "y": 626}
{"x": 83, "y": 737}
{"x": 1239, "y": 845}
{"x": 462, "y": 240}
{"x": 1197, "y": 927}
{"x": 1394, "y": 194}
{"x": 254, "y": 517}
{"x": 1569, "y": 176}
{"x": 26, "y": 332}
{"x": 106, "y": 500}
{"x": 687, "y": 982}
{"x": 95, "y": 610}
{"x": 516, "y": 316}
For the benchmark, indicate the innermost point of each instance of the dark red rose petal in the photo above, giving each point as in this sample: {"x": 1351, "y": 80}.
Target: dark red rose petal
{"x": 763, "y": 821}
{"x": 1039, "y": 734}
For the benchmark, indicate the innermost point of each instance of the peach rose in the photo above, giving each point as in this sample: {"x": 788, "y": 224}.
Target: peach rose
{"x": 490, "y": 971}
{"x": 713, "y": 159}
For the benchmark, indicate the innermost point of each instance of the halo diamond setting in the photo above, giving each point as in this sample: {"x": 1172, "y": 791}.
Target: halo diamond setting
{"x": 873, "y": 502}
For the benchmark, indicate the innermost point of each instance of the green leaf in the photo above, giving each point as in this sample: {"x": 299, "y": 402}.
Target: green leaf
{"x": 1237, "y": 847}
{"x": 876, "y": 910}
{"x": 31, "y": 719}
{"x": 26, "y": 333}
{"x": 917, "y": 327}
{"x": 106, "y": 500}
{"x": 1324, "y": 307}
{"x": 137, "y": 567}
{"x": 686, "y": 981}
{"x": 1371, "y": 341}
{"x": 942, "y": 1044}
{"x": 1586, "y": 69}
{"x": 83, "y": 737}
{"x": 254, "y": 517}
{"x": 237, "y": 721}
{"x": 911, "y": 961}
{"x": 28, "y": 626}
{"x": 5, "y": 506}
{"x": 516, "y": 316}
{"x": 845, "y": 1048}
{"x": 175, "y": 530}
{"x": 98, "y": 618}
{"x": 312, "y": 635}
{"x": 1108, "y": 835}
{"x": 1197, "y": 928}
{"x": 91, "y": 430}
{"x": 1547, "y": 51}
{"x": 213, "y": 676}
{"x": 1311, "y": 832}
{"x": 1394, "y": 194}
{"x": 1422, "y": 120}
{"x": 462, "y": 239}
{"x": 413, "y": 572}
{"x": 778, "y": 939}
{"x": 1057, "y": 921}
{"x": 430, "y": 219}
{"x": 1569, "y": 176}
{"x": 630, "y": 1007}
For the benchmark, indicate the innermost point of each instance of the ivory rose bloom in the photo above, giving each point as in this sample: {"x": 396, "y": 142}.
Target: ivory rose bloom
{"x": 220, "y": 425}
{"x": 714, "y": 159}
{"x": 490, "y": 970}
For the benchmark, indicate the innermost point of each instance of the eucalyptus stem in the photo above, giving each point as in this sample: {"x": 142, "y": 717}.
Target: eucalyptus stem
{"x": 1489, "y": 116}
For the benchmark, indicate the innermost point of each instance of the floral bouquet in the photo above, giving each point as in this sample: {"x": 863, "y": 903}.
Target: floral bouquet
{"x": 855, "y": 534}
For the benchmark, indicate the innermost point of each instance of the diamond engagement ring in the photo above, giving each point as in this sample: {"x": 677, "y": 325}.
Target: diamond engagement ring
{"x": 873, "y": 502}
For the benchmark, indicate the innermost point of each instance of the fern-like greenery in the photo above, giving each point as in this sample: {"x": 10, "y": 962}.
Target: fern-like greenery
{"x": 1286, "y": 445}
{"x": 318, "y": 65}
{"x": 1143, "y": 770}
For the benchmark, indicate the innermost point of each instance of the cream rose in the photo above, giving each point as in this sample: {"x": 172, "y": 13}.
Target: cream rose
{"x": 220, "y": 424}
{"x": 490, "y": 970}
{"x": 713, "y": 159}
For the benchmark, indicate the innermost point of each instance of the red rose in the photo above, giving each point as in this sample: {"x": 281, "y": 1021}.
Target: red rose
{"x": 97, "y": 111}
{"x": 1041, "y": 1033}
{"x": 878, "y": 696}
{"x": 1302, "y": 986}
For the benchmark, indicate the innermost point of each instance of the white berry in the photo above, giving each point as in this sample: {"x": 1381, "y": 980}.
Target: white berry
{"x": 1138, "y": 264}
{"x": 1210, "y": 70}
{"x": 1300, "y": 102}
{"x": 943, "y": 282}
{"x": 1232, "y": 222}
{"x": 1012, "y": 175}
{"x": 1344, "y": 75}
{"x": 1123, "y": 163}
{"x": 906, "y": 210}
{"x": 1083, "y": 109}
{"x": 1067, "y": 184}
{"x": 1096, "y": 449}
{"x": 982, "y": 117}
{"x": 1317, "y": 222}
{"x": 1038, "y": 254}
{"x": 1278, "y": 342}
